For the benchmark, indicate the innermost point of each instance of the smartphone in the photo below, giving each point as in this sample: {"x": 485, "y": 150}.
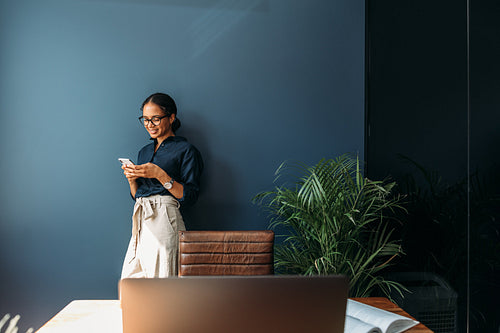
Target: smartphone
{"x": 125, "y": 161}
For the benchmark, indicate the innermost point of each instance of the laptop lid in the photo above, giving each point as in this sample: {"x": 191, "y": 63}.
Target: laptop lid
{"x": 209, "y": 304}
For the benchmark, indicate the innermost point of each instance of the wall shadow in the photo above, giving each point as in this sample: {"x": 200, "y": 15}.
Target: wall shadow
{"x": 215, "y": 203}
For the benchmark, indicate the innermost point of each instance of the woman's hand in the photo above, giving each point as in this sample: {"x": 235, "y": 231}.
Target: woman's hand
{"x": 129, "y": 172}
{"x": 148, "y": 170}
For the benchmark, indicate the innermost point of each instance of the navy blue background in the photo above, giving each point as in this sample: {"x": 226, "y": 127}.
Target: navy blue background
{"x": 257, "y": 82}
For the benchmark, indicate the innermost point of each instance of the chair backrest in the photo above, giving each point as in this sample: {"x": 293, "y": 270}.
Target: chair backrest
{"x": 226, "y": 252}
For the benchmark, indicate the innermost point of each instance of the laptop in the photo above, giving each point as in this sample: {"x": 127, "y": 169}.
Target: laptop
{"x": 235, "y": 304}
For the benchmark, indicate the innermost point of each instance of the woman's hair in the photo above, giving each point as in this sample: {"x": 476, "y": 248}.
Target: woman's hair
{"x": 167, "y": 104}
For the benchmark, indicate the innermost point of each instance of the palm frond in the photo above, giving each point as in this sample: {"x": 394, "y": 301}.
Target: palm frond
{"x": 335, "y": 222}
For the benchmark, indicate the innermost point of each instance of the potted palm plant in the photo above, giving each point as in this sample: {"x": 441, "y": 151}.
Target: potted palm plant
{"x": 334, "y": 222}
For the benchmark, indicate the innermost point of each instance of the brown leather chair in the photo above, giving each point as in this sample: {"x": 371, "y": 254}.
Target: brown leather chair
{"x": 226, "y": 252}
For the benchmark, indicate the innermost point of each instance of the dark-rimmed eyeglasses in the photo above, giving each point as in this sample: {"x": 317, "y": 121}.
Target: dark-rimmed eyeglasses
{"x": 156, "y": 120}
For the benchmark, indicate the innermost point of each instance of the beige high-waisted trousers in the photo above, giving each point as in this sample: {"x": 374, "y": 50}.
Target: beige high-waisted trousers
{"x": 153, "y": 247}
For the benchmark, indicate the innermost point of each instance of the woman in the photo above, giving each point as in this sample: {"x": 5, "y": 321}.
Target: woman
{"x": 166, "y": 176}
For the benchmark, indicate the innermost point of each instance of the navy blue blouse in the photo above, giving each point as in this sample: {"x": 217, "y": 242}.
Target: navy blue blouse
{"x": 180, "y": 160}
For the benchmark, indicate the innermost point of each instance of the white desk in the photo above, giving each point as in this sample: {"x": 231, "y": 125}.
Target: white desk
{"x": 87, "y": 316}
{"x": 105, "y": 316}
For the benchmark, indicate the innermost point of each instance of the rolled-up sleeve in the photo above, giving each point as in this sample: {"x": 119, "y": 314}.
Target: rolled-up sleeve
{"x": 191, "y": 169}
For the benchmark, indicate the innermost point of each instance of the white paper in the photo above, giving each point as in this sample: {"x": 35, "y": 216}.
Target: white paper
{"x": 375, "y": 320}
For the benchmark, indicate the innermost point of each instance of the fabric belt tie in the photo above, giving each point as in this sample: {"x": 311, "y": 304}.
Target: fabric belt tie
{"x": 143, "y": 210}
{"x": 142, "y": 207}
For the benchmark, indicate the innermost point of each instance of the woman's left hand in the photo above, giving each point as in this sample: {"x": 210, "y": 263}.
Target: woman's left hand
{"x": 148, "y": 170}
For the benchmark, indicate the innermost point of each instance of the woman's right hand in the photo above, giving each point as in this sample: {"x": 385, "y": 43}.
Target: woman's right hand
{"x": 128, "y": 171}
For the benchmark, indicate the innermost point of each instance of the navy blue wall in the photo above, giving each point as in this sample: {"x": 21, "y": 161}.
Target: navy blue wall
{"x": 256, "y": 82}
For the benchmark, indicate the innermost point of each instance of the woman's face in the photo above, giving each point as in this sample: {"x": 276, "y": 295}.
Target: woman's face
{"x": 164, "y": 129}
